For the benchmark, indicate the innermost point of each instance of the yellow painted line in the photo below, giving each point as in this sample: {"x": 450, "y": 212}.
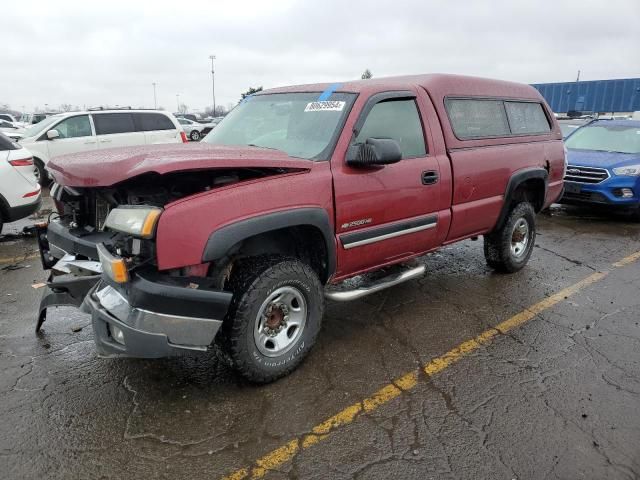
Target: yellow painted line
{"x": 21, "y": 258}
{"x": 627, "y": 260}
{"x": 408, "y": 381}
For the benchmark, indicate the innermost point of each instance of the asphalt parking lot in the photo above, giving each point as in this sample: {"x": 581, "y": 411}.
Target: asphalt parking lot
{"x": 462, "y": 374}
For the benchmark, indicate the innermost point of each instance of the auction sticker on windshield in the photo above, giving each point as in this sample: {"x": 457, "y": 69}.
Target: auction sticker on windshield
{"x": 326, "y": 106}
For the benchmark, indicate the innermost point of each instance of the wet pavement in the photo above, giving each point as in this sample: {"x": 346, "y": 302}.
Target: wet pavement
{"x": 556, "y": 397}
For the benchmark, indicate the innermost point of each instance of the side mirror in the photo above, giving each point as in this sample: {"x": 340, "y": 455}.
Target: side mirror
{"x": 374, "y": 152}
{"x": 53, "y": 134}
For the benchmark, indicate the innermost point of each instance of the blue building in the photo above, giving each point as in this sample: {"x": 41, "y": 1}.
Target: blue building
{"x": 603, "y": 96}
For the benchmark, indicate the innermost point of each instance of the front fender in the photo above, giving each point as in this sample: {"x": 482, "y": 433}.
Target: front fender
{"x": 186, "y": 229}
{"x": 222, "y": 240}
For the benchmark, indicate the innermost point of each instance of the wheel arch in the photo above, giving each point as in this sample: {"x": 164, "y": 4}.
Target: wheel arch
{"x": 255, "y": 232}
{"x": 529, "y": 184}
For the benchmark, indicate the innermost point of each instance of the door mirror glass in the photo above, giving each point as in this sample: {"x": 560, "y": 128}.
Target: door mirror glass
{"x": 52, "y": 134}
{"x": 374, "y": 152}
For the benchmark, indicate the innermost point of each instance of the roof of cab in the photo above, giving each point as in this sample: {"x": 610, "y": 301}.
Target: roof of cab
{"x": 438, "y": 87}
{"x": 437, "y": 84}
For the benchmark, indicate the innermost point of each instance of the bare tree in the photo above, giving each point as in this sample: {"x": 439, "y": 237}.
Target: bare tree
{"x": 65, "y": 107}
{"x": 182, "y": 108}
{"x": 366, "y": 75}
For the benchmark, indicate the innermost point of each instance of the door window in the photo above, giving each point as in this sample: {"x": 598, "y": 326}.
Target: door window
{"x": 399, "y": 120}
{"x": 108, "y": 123}
{"x": 74, "y": 127}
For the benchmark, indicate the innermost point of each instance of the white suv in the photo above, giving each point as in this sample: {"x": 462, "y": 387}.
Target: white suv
{"x": 96, "y": 129}
{"x": 19, "y": 191}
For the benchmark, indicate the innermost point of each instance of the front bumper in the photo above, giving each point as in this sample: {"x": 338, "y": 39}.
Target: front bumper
{"x": 158, "y": 315}
{"x": 603, "y": 193}
{"x": 155, "y": 319}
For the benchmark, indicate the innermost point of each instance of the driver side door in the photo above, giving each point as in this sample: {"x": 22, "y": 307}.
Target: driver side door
{"x": 387, "y": 213}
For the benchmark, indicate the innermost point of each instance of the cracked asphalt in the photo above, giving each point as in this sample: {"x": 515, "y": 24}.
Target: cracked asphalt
{"x": 558, "y": 397}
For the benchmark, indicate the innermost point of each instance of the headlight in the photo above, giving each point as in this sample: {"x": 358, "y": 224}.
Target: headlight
{"x": 629, "y": 170}
{"x": 138, "y": 221}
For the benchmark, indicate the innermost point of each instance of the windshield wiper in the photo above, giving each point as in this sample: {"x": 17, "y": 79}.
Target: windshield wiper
{"x": 262, "y": 146}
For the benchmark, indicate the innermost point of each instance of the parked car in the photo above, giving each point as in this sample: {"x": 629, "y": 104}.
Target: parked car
{"x": 7, "y": 117}
{"x": 238, "y": 239}
{"x": 189, "y": 116}
{"x": 73, "y": 132}
{"x": 11, "y": 130}
{"x": 19, "y": 190}
{"x": 195, "y": 130}
{"x": 604, "y": 165}
{"x": 33, "y": 118}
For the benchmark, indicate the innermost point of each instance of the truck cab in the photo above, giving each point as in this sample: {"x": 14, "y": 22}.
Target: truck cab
{"x": 301, "y": 194}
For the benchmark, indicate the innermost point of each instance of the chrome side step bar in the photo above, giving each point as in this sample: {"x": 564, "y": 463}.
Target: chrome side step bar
{"x": 376, "y": 286}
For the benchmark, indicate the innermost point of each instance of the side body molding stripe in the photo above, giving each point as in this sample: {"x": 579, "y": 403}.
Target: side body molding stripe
{"x": 378, "y": 234}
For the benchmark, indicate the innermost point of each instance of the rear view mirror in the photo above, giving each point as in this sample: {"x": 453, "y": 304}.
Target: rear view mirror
{"x": 52, "y": 134}
{"x": 373, "y": 152}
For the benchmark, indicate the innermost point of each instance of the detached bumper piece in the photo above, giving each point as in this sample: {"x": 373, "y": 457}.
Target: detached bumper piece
{"x": 155, "y": 317}
{"x": 68, "y": 290}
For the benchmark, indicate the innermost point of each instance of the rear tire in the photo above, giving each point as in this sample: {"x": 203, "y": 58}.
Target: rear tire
{"x": 508, "y": 249}
{"x": 274, "y": 317}
{"x": 41, "y": 173}
{"x": 194, "y": 135}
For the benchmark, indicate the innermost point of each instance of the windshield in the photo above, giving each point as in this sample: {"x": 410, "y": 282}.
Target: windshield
{"x": 295, "y": 123}
{"x": 606, "y": 138}
{"x": 39, "y": 127}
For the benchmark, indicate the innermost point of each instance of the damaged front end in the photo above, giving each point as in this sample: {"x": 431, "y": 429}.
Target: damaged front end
{"x": 100, "y": 250}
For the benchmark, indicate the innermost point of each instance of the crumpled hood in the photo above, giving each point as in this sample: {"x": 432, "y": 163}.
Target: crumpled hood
{"x": 103, "y": 168}
{"x": 597, "y": 159}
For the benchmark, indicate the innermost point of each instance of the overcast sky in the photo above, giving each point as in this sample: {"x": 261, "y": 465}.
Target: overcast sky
{"x": 93, "y": 53}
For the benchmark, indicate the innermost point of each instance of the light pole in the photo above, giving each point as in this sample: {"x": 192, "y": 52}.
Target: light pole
{"x": 155, "y": 103}
{"x": 178, "y": 102}
{"x": 213, "y": 84}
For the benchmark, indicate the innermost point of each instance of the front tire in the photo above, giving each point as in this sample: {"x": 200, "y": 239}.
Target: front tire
{"x": 274, "y": 317}
{"x": 194, "y": 135}
{"x": 508, "y": 249}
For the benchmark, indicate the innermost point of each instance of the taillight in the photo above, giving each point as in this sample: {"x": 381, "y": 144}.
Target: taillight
{"x": 31, "y": 194}
{"x": 183, "y": 136}
{"x": 22, "y": 162}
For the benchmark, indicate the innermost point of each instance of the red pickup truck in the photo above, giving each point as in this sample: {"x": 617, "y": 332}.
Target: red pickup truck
{"x": 238, "y": 240}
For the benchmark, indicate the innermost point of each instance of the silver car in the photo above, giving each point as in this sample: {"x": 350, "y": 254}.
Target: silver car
{"x": 195, "y": 130}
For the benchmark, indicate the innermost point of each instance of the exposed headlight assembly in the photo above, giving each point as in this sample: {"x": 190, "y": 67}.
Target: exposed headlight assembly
{"x": 629, "y": 170}
{"x": 138, "y": 221}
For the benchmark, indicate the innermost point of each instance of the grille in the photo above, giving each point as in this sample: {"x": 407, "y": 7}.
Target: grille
{"x": 586, "y": 174}
{"x": 593, "y": 197}
{"x": 102, "y": 210}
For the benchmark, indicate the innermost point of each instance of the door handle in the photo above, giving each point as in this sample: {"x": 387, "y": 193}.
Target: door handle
{"x": 89, "y": 143}
{"x": 429, "y": 177}
{"x": 105, "y": 141}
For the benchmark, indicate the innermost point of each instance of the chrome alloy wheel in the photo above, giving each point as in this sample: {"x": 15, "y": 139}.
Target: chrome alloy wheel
{"x": 280, "y": 321}
{"x": 519, "y": 238}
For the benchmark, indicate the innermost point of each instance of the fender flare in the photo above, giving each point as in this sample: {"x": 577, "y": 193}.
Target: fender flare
{"x": 223, "y": 239}
{"x": 515, "y": 181}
